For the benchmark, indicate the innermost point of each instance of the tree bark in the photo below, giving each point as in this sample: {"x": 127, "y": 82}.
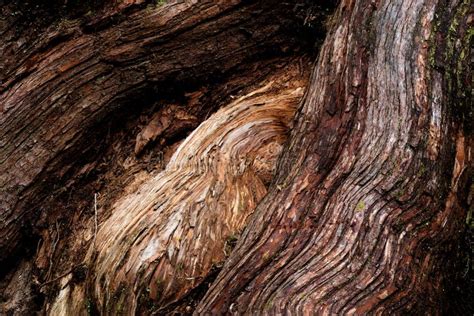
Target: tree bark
{"x": 76, "y": 73}
{"x": 370, "y": 194}
{"x": 122, "y": 209}
{"x": 161, "y": 68}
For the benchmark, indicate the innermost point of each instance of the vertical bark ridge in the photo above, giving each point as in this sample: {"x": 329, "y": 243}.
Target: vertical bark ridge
{"x": 363, "y": 207}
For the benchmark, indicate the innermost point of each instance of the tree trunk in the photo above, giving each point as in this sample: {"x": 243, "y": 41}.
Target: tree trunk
{"x": 370, "y": 194}
{"x": 123, "y": 192}
{"x": 70, "y": 79}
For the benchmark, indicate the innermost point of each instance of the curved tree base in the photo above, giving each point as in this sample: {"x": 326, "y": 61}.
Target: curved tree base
{"x": 141, "y": 143}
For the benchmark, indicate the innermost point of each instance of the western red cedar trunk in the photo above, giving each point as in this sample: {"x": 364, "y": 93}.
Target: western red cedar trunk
{"x": 122, "y": 209}
{"x": 370, "y": 193}
{"x": 96, "y": 102}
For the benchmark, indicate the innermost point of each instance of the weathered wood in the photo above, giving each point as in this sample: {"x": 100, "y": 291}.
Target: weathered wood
{"x": 163, "y": 239}
{"x": 370, "y": 194}
{"x": 64, "y": 165}
{"x": 72, "y": 75}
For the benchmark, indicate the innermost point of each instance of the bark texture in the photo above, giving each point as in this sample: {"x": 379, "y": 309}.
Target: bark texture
{"x": 75, "y": 73}
{"x": 93, "y": 107}
{"x": 163, "y": 239}
{"x": 370, "y": 194}
{"x": 128, "y": 193}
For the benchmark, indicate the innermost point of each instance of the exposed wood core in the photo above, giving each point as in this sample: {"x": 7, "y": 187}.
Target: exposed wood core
{"x": 69, "y": 78}
{"x": 163, "y": 239}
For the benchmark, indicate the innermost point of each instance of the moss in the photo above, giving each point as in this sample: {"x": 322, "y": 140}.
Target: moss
{"x": 360, "y": 206}
{"x": 453, "y": 35}
{"x": 465, "y": 51}
{"x": 421, "y": 170}
{"x": 89, "y": 306}
{"x": 459, "y": 76}
{"x": 446, "y": 36}
{"x": 432, "y": 41}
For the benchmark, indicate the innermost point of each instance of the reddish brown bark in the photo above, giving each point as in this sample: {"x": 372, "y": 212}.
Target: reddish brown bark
{"x": 89, "y": 75}
{"x": 74, "y": 74}
{"x": 122, "y": 211}
{"x": 371, "y": 193}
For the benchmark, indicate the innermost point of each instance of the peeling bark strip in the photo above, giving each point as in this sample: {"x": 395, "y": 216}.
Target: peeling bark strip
{"x": 57, "y": 84}
{"x": 369, "y": 196}
{"x": 162, "y": 240}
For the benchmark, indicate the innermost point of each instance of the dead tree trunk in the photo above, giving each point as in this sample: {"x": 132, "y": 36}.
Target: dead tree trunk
{"x": 121, "y": 209}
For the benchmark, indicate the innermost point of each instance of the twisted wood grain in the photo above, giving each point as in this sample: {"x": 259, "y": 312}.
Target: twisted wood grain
{"x": 162, "y": 240}
{"x": 61, "y": 81}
